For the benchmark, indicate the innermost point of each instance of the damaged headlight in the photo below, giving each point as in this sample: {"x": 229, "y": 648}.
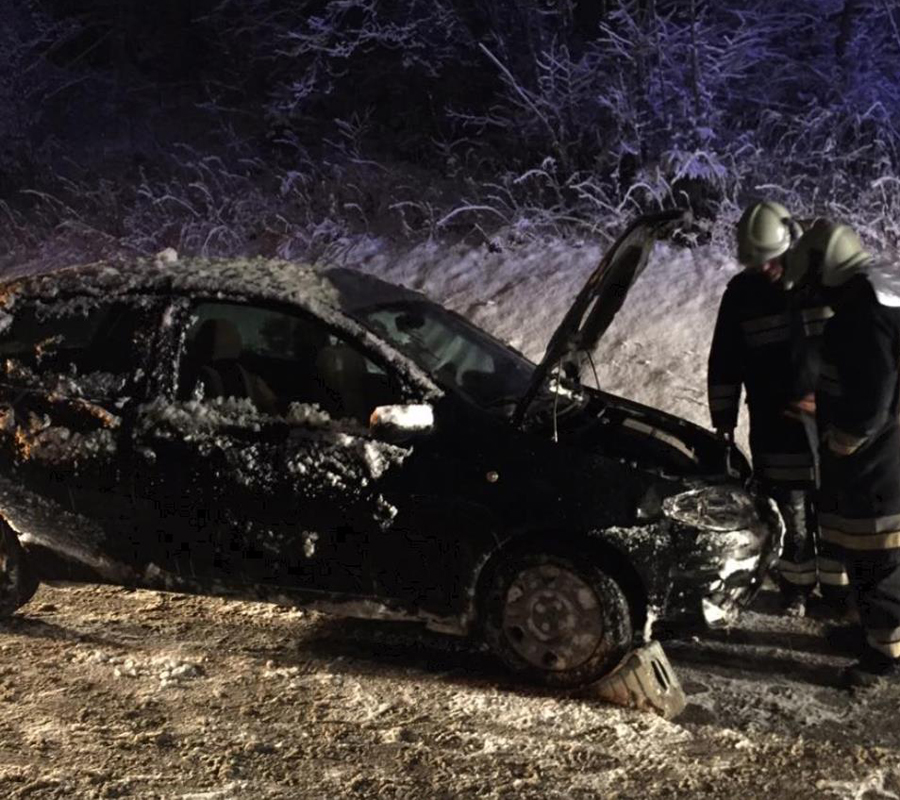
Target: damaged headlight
{"x": 730, "y": 537}
{"x": 715, "y": 508}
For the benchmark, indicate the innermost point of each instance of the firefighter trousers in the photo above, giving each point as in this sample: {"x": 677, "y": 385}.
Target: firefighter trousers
{"x": 875, "y": 577}
{"x": 802, "y": 564}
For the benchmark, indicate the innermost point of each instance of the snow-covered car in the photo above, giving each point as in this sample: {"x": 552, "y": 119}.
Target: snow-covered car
{"x": 318, "y": 436}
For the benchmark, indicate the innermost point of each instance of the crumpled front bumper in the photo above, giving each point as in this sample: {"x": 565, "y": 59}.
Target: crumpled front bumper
{"x": 725, "y": 540}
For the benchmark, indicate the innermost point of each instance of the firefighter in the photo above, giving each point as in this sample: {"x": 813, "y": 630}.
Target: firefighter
{"x": 858, "y": 401}
{"x": 768, "y": 340}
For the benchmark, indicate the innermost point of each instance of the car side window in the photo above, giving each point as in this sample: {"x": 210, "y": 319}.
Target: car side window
{"x": 278, "y": 359}
{"x": 78, "y": 347}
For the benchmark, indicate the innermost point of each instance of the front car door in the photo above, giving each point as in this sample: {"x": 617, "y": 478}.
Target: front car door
{"x": 255, "y": 465}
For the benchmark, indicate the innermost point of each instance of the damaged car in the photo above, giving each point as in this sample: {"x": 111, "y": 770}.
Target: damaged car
{"x": 317, "y": 436}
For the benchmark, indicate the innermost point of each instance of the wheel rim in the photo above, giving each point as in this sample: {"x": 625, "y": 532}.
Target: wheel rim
{"x": 552, "y": 618}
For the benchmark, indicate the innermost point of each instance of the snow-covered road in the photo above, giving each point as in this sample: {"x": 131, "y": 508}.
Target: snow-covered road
{"x": 110, "y": 693}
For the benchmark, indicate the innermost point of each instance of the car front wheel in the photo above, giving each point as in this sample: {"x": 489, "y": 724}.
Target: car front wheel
{"x": 556, "y": 620}
{"x": 18, "y": 582}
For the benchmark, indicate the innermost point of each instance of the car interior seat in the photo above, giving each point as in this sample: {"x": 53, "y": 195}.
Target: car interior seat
{"x": 214, "y": 362}
{"x": 342, "y": 371}
{"x": 302, "y": 381}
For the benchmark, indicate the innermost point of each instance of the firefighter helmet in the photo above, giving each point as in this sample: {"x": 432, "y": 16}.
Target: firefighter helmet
{"x": 828, "y": 254}
{"x": 763, "y": 233}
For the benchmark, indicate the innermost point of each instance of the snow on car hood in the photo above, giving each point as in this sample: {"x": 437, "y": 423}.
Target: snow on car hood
{"x": 598, "y": 302}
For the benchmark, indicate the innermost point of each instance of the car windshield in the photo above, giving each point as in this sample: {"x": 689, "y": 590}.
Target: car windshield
{"x": 453, "y": 351}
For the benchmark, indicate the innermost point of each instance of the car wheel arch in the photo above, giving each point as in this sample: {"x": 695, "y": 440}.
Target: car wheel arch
{"x": 603, "y": 555}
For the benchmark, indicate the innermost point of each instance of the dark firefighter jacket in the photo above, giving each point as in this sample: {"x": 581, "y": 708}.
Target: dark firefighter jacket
{"x": 857, "y": 407}
{"x": 769, "y": 341}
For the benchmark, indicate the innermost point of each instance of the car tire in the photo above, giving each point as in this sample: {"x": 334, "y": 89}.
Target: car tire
{"x": 18, "y": 582}
{"x": 556, "y": 620}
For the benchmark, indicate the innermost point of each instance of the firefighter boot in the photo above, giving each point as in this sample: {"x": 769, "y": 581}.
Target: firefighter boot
{"x": 871, "y": 668}
{"x": 793, "y": 604}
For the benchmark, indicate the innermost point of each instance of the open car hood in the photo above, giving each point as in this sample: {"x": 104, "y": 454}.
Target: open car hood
{"x": 600, "y": 299}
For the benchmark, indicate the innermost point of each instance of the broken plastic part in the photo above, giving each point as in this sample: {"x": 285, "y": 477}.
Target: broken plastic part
{"x": 644, "y": 680}
{"x": 719, "y": 612}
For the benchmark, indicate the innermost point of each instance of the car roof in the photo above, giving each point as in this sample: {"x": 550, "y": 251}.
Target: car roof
{"x": 333, "y": 294}
{"x": 318, "y": 288}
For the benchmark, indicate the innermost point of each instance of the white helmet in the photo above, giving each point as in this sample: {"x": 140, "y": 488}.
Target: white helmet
{"x": 763, "y": 233}
{"x": 828, "y": 253}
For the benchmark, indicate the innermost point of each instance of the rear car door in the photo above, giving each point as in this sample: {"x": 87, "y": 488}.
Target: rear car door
{"x": 254, "y": 464}
{"x": 70, "y": 371}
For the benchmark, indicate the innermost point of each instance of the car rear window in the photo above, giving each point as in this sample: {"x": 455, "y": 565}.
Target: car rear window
{"x": 72, "y": 338}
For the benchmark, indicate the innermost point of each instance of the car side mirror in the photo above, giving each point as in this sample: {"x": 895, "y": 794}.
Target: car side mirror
{"x": 400, "y": 421}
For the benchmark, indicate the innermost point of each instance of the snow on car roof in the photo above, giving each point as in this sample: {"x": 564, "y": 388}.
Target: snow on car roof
{"x": 314, "y": 287}
{"x": 333, "y": 294}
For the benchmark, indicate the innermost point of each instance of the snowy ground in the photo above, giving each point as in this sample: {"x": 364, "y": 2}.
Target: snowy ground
{"x": 110, "y": 693}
